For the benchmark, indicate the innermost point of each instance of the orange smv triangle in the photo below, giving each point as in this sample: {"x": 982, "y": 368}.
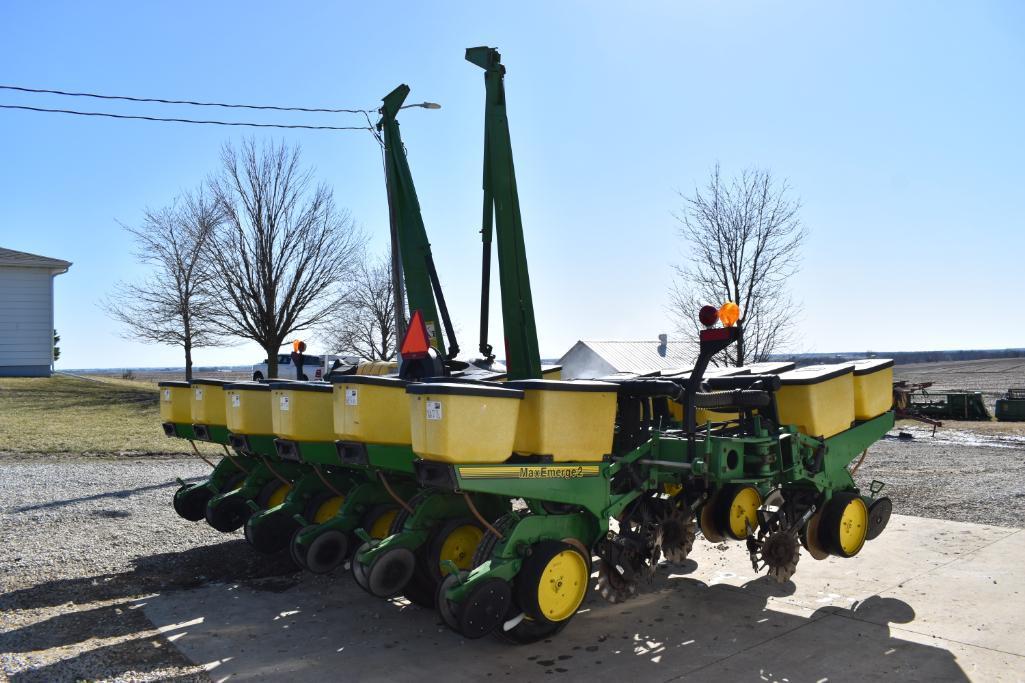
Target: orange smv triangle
{"x": 416, "y": 342}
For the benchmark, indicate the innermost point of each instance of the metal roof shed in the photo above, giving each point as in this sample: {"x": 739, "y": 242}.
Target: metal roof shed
{"x": 26, "y": 313}
{"x": 591, "y": 358}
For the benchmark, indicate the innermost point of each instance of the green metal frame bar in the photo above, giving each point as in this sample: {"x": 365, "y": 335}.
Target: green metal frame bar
{"x": 423, "y": 290}
{"x": 501, "y": 200}
{"x": 391, "y": 458}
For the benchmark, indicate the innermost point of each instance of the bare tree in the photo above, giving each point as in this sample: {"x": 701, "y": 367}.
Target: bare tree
{"x": 745, "y": 237}
{"x": 366, "y": 325}
{"x": 284, "y": 250}
{"x": 174, "y": 305}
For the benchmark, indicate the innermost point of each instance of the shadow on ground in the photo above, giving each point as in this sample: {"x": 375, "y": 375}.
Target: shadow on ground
{"x": 233, "y": 560}
{"x": 682, "y": 627}
{"x": 107, "y": 495}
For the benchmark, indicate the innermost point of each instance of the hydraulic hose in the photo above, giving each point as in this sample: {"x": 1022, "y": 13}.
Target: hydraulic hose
{"x": 652, "y": 387}
{"x": 739, "y": 398}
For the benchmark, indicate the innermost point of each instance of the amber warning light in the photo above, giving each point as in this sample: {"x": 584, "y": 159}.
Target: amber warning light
{"x": 729, "y": 314}
{"x": 417, "y": 341}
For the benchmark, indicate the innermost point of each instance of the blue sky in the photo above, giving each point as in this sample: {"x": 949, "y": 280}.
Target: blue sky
{"x": 900, "y": 126}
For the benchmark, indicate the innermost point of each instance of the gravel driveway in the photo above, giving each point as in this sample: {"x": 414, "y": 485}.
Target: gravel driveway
{"x": 88, "y": 538}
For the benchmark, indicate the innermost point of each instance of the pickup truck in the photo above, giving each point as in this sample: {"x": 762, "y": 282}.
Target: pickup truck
{"x": 314, "y": 367}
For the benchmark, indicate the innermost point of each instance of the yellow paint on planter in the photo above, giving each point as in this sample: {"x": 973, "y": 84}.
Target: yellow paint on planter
{"x": 818, "y": 399}
{"x": 873, "y": 387}
{"x": 301, "y": 411}
{"x": 570, "y": 421}
{"x": 371, "y": 409}
{"x": 175, "y": 402}
{"x": 247, "y": 408}
{"x": 207, "y": 401}
{"x": 463, "y": 423}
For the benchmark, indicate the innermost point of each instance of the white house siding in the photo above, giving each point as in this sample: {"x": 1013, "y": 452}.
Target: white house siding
{"x": 26, "y": 320}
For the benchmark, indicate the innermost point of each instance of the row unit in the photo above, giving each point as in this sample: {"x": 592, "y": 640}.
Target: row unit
{"x": 473, "y": 421}
{"x": 820, "y": 400}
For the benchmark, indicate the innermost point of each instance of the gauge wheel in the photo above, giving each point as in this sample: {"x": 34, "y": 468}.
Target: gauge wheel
{"x": 322, "y": 507}
{"x": 844, "y": 526}
{"x": 737, "y": 510}
{"x": 552, "y": 582}
{"x": 378, "y": 521}
{"x": 273, "y": 494}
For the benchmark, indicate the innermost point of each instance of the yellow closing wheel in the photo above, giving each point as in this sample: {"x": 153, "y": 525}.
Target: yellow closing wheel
{"x": 379, "y": 520}
{"x": 737, "y": 510}
{"x": 844, "y": 526}
{"x": 457, "y": 544}
{"x": 552, "y": 582}
{"x": 279, "y": 495}
{"x": 328, "y": 509}
{"x": 272, "y": 494}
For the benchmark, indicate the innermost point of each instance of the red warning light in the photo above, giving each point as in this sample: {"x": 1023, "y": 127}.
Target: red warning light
{"x": 417, "y": 342}
{"x": 708, "y": 315}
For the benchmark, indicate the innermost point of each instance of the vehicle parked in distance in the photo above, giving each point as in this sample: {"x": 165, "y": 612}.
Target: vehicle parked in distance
{"x": 314, "y": 367}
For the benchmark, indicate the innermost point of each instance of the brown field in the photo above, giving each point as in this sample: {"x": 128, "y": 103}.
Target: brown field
{"x": 992, "y": 377}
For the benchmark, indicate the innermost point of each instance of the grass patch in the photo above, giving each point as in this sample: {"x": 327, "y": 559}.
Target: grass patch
{"x": 63, "y": 414}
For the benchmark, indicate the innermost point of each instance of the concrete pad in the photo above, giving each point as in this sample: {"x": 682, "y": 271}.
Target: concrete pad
{"x": 838, "y": 620}
{"x": 988, "y": 583}
{"x": 927, "y": 544}
{"x": 837, "y": 648}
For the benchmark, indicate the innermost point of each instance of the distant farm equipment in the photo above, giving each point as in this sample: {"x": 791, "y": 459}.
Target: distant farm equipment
{"x": 914, "y": 401}
{"x": 1011, "y": 408}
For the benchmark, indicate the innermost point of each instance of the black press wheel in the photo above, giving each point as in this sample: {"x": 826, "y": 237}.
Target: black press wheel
{"x": 190, "y": 502}
{"x": 449, "y": 610}
{"x": 270, "y": 533}
{"x": 359, "y": 570}
{"x": 297, "y": 551}
{"x": 326, "y": 552}
{"x": 878, "y": 517}
{"x": 390, "y": 572}
{"x": 228, "y": 514}
{"x": 484, "y": 609}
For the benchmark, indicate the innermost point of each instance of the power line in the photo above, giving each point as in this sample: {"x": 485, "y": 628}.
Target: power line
{"x": 175, "y": 120}
{"x": 189, "y": 102}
